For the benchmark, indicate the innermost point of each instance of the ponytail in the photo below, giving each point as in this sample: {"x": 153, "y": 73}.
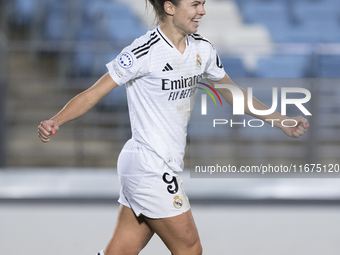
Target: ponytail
{"x": 158, "y": 7}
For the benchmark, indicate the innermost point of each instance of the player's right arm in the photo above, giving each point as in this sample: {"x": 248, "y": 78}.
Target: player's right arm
{"x": 76, "y": 107}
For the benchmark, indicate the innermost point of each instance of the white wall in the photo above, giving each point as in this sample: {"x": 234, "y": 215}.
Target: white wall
{"x": 242, "y": 230}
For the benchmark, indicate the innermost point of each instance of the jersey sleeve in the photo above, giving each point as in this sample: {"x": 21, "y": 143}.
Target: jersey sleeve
{"x": 214, "y": 70}
{"x": 125, "y": 67}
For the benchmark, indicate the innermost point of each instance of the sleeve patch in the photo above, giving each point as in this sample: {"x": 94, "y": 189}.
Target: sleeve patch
{"x": 125, "y": 60}
{"x": 119, "y": 73}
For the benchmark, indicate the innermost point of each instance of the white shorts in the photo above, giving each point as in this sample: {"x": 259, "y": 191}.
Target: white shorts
{"x": 149, "y": 186}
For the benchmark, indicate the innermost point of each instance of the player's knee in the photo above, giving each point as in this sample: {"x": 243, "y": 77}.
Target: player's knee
{"x": 189, "y": 248}
{"x": 121, "y": 251}
{"x": 197, "y": 249}
{"x": 123, "y": 247}
{"x": 126, "y": 250}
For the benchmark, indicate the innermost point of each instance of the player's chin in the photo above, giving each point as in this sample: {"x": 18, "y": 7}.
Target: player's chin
{"x": 193, "y": 27}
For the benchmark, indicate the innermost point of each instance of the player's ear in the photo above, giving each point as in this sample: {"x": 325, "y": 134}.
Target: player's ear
{"x": 169, "y": 8}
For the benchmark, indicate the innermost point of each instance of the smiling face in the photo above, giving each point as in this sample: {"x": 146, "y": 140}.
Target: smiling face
{"x": 187, "y": 15}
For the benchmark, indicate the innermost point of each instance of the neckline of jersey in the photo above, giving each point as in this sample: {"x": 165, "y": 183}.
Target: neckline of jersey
{"x": 166, "y": 39}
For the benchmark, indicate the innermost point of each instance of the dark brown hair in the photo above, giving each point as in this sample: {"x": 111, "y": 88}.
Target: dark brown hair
{"x": 158, "y": 7}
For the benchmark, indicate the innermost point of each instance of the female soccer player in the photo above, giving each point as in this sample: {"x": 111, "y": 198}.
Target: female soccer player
{"x": 161, "y": 71}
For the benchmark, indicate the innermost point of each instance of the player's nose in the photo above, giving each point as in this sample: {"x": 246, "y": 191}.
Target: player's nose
{"x": 201, "y": 10}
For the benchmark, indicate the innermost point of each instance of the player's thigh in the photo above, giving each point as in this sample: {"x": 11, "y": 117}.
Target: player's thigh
{"x": 179, "y": 233}
{"x": 131, "y": 234}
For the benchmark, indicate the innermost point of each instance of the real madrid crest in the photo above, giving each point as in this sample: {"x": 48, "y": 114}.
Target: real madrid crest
{"x": 178, "y": 203}
{"x": 198, "y": 60}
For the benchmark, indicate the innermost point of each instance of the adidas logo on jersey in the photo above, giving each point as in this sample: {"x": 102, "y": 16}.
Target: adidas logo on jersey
{"x": 167, "y": 67}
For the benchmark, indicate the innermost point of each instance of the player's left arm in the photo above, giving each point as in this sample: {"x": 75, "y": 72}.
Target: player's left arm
{"x": 296, "y": 131}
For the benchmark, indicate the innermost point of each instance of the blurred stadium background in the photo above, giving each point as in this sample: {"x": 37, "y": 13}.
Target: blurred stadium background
{"x": 50, "y": 50}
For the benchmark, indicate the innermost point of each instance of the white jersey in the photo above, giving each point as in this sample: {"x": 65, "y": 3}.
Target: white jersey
{"x": 161, "y": 85}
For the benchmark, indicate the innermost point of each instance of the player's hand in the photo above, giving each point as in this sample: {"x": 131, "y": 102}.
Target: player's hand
{"x": 46, "y": 129}
{"x": 298, "y": 130}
